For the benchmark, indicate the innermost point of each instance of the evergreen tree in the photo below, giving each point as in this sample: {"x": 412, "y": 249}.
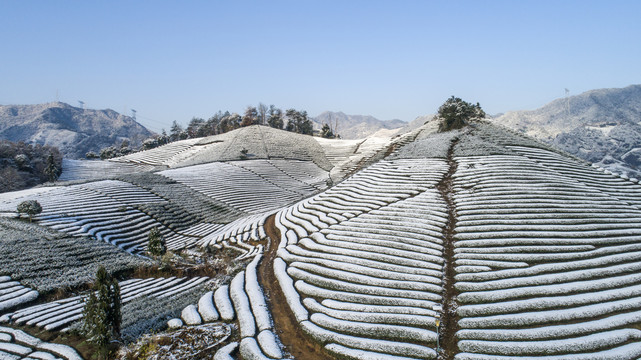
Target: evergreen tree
{"x": 305, "y": 123}
{"x": 102, "y": 312}
{"x": 156, "y": 243}
{"x": 194, "y": 127}
{"x": 297, "y": 121}
{"x": 275, "y": 117}
{"x": 51, "y": 170}
{"x": 175, "y": 131}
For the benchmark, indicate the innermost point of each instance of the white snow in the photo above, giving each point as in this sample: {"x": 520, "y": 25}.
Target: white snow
{"x": 249, "y": 350}
{"x": 242, "y": 306}
{"x": 287, "y": 286}
{"x": 190, "y": 315}
{"x": 224, "y": 353}
{"x": 269, "y": 345}
{"x": 206, "y": 307}
{"x": 174, "y": 323}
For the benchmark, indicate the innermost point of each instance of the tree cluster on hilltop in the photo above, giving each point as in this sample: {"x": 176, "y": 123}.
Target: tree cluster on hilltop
{"x": 221, "y": 122}
{"x": 24, "y": 165}
{"x": 456, "y": 113}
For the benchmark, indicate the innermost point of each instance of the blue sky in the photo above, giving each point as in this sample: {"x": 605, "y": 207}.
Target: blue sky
{"x": 172, "y": 60}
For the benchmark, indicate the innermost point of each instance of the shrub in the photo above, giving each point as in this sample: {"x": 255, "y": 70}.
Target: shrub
{"x": 327, "y": 132}
{"x": 91, "y": 155}
{"x": 156, "y": 245}
{"x": 29, "y": 207}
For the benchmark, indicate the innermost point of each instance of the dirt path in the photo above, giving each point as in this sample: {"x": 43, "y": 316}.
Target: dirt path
{"x": 296, "y": 343}
{"x": 449, "y": 322}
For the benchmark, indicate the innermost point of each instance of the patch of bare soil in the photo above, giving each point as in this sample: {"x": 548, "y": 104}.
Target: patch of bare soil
{"x": 296, "y": 343}
{"x": 449, "y": 322}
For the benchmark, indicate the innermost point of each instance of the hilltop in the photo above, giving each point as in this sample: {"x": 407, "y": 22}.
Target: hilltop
{"x": 74, "y": 131}
{"x": 601, "y": 126}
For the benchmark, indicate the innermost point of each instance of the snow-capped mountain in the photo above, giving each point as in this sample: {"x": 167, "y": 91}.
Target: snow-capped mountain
{"x": 601, "y": 126}
{"x": 73, "y": 130}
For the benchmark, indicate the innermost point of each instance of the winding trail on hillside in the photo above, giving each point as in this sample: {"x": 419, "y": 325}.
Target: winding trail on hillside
{"x": 449, "y": 323}
{"x": 299, "y": 346}
{"x": 289, "y": 332}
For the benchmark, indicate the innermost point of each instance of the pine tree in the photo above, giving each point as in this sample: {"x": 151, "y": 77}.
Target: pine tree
{"x": 175, "y": 131}
{"x": 275, "y": 117}
{"x": 156, "y": 245}
{"x": 51, "y": 170}
{"x": 102, "y": 312}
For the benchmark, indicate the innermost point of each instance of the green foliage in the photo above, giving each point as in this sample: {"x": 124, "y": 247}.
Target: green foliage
{"x": 52, "y": 170}
{"x": 102, "y": 316}
{"x": 298, "y": 122}
{"x": 29, "y": 207}
{"x": 275, "y": 117}
{"x": 156, "y": 245}
{"x": 24, "y": 165}
{"x": 456, "y": 113}
{"x": 326, "y": 132}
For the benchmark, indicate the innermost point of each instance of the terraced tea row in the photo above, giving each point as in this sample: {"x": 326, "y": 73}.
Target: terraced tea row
{"x": 237, "y": 235}
{"x": 253, "y": 186}
{"x": 361, "y": 264}
{"x": 107, "y": 210}
{"x": 61, "y": 313}
{"x": 547, "y": 254}
{"x": 13, "y": 294}
{"x": 243, "y": 301}
{"x": 618, "y": 187}
{"x": 47, "y": 260}
{"x": 252, "y": 143}
{"x": 160, "y": 156}
{"x": 16, "y": 344}
{"x": 98, "y": 170}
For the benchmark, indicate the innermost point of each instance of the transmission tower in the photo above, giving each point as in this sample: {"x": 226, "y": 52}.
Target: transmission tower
{"x": 133, "y": 114}
{"x": 567, "y": 101}
{"x": 82, "y": 104}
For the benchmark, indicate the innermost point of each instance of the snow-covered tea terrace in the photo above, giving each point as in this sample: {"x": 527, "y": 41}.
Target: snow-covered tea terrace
{"x": 471, "y": 244}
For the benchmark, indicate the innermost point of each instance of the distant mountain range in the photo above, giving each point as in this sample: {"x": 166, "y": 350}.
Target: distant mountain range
{"x": 74, "y": 131}
{"x": 601, "y": 126}
{"x": 355, "y": 126}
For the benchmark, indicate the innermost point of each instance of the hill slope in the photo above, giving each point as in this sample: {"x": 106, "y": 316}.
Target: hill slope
{"x": 517, "y": 250}
{"x": 601, "y": 126}
{"x": 73, "y": 130}
{"x": 355, "y": 126}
